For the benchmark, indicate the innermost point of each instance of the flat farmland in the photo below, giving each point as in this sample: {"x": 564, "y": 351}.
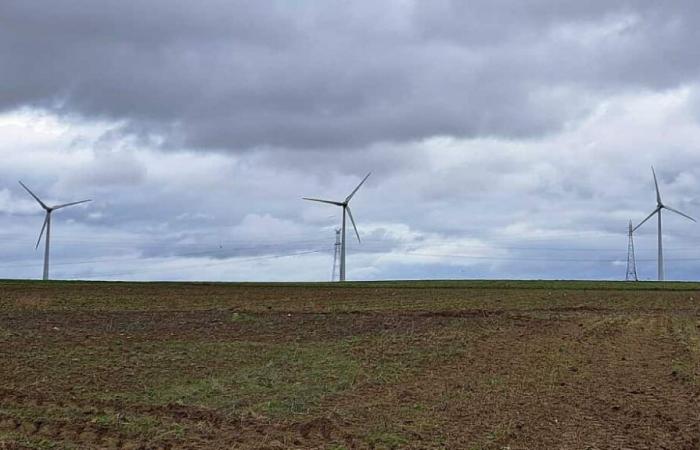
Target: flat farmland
{"x": 419, "y": 365}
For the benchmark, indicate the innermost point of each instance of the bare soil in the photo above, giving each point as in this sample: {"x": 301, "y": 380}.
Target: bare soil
{"x": 366, "y": 366}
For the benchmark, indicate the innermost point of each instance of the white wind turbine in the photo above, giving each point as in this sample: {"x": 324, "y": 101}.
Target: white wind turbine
{"x": 660, "y": 206}
{"x": 346, "y": 208}
{"x": 47, "y": 225}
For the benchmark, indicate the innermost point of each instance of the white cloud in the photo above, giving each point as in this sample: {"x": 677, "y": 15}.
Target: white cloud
{"x": 505, "y": 140}
{"x": 474, "y": 208}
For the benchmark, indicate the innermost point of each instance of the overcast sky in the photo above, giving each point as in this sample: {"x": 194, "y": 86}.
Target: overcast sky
{"x": 506, "y": 139}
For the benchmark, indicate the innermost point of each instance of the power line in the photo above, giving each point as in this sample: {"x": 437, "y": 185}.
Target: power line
{"x": 219, "y": 250}
{"x": 383, "y": 245}
{"x": 515, "y": 258}
{"x": 194, "y": 266}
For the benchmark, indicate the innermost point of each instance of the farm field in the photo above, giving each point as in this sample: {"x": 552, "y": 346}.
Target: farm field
{"x": 419, "y": 365}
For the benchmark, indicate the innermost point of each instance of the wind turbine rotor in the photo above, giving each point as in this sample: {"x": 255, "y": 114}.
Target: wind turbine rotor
{"x": 347, "y": 199}
{"x": 658, "y": 208}
{"x": 69, "y": 204}
{"x": 346, "y": 208}
{"x": 46, "y": 226}
{"x": 656, "y": 185}
{"x": 43, "y": 205}
{"x": 678, "y": 212}
{"x": 43, "y": 227}
{"x": 353, "y": 224}
{"x": 330, "y": 202}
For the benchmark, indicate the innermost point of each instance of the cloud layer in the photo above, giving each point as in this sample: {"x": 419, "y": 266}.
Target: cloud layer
{"x": 507, "y": 138}
{"x": 317, "y": 75}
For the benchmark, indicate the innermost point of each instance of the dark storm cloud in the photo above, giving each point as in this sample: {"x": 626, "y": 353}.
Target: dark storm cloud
{"x": 236, "y": 75}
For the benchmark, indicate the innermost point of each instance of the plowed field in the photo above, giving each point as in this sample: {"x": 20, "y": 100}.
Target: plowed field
{"x": 420, "y": 365}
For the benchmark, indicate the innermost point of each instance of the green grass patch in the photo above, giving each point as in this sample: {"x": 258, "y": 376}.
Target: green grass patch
{"x": 275, "y": 379}
{"x": 386, "y": 440}
{"x": 13, "y": 440}
{"x": 686, "y": 331}
{"x": 339, "y": 297}
{"x": 244, "y": 318}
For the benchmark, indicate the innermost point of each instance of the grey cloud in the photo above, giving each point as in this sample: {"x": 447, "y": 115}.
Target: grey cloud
{"x": 106, "y": 171}
{"x": 197, "y": 127}
{"x": 240, "y": 75}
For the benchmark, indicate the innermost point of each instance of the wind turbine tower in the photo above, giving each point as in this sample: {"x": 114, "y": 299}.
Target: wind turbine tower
{"x": 659, "y": 207}
{"x": 631, "y": 263}
{"x": 47, "y": 226}
{"x": 336, "y": 254}
{"x": 345, "y": 204}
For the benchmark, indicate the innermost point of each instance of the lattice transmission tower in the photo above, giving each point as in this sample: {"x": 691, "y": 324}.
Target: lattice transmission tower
{"x": 336, "y": 256}
{"x": 631, "y": 264}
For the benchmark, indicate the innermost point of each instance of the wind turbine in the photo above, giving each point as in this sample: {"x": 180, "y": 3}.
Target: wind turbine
{"x": 346, "y": 208}
{"x": 47, "y": 225}
{"x": 660, "y": 206}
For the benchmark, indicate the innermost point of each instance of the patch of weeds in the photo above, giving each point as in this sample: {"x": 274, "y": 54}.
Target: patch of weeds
{"x": 386, "y": 440}
{"x": 105, "y": 420}
{"x": 391, "y": 358}
{"x": 499, "y": 433}
{"x": 495, "y": 381}
{"x": 297, "y": 378}
{"x": 5, "y": 333}
{"x": 337, "y": 447}
{"x": 496, "y": 437}
{"x": 199, "y": 390}
{"x": 174, "y": 430}
{"x": 687, "y": 333}
{"x": 243, "y": 318}
{"x": 15, "y": 440}
{"x": 606, "y": 326}
{"x": 278, "y": 379}
{"x": 142, "y": 426}
{"x": 33, "y": 413}
{"x": 418, "y": 407}
{"x": 682, "y": 370}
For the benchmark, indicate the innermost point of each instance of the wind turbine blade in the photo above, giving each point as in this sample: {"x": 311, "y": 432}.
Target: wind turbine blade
{"x": 648, "y": 217}
{"x": 43, "y": 205}
{"x": 70, "y": 204}
{"x": 330, "y": 202}
{"x": 347, "y": 199}
{"x": 43, "y": 227}
{"x": 682, "y": 214}
{"x": 353, "y": 225}
{"x": 656, "y": 185}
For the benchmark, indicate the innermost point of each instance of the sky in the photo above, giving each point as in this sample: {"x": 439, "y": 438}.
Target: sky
{"x": 506, "y": 139}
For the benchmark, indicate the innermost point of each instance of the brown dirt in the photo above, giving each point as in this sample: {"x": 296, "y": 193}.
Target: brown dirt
{"x": 514, "y": 373}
